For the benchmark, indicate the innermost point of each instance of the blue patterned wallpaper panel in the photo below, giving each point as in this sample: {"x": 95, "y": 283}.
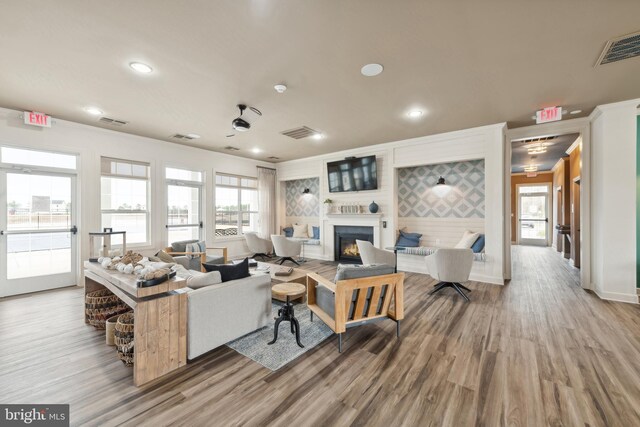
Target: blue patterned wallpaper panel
{"x": 299, "y": 204}
{"x": 418, "y": 197}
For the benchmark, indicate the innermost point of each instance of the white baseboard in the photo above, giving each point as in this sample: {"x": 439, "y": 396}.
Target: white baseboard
{"x": 615, "y": 296}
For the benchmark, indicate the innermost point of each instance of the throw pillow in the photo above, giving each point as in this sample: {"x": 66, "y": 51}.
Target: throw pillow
{"x": 408, "y": 240}
{"x": 181, "y": 246}
{"x": 196, "y": 247}
{"x": 165, "y": 257}
{"x": 468, "y": 239}
{"x": 204, "y": 279}
{"x": 478, "y": 245}
{"x": 316, "y": 232}
{"x": 300, "y": 231}
{"x": 230, "y": 271}
{"x": 288, "y": 231}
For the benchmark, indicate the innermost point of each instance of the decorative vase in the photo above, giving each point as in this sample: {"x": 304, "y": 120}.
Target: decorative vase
{"x": 373, "y": 207}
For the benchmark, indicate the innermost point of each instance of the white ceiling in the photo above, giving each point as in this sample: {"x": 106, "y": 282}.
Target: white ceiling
{"x": 465, "y": 63}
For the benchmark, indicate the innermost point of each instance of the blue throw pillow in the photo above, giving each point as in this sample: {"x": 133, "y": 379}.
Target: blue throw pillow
{"x": 316, "y": 233}
{"x": 478, "y": 245}
{"x": 416, "y": 236}
{"x": 288, "y": 231}
{"x": 407, "y": 242}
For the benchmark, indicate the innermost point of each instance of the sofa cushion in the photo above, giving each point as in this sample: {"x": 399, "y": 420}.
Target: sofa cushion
{"x": 181, "y": 246}
{"x": 478, "y": 245}
{"x": 288, "y": 231}
{"x": 300, "y": 231}
{"x": 356, "y": 271}
{"x": 316, "y": 232}
{"x": 230, "y": 271}
{"x": 197, "y": 281}
{"x": 408, "y": 240}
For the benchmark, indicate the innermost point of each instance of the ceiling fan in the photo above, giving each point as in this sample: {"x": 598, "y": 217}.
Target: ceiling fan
{"x": 242, "y": 123}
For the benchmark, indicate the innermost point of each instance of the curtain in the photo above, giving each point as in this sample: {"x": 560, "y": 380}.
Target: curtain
{"x": 266, "y": 202}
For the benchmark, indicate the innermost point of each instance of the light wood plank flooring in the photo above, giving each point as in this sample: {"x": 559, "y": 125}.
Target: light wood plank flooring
{"x": 539, "y": 351}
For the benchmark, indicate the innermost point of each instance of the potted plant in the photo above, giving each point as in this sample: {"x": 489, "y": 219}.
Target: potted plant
{"x": 328, "y": 203}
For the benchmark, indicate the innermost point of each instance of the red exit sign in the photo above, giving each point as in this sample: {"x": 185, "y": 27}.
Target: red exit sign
{"x": 37, "y": 119}
{"x": 549, "y": 114}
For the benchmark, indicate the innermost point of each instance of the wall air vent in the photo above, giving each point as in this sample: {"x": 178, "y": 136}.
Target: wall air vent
{"x": 299, "y": 133}
{"x": 180, "y": 136}
{"x": 537, "y": 139}
{"x": 112, "y": 122}
{"x": 230, "y": 148}
{"x": 273, "y": 158}
{"x": 620, "y": 48}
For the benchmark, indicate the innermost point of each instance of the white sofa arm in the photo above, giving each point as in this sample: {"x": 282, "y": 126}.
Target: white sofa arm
{"x": 221, "y": 313}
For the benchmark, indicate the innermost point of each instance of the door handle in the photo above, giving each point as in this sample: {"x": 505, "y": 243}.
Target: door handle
{"x": 74, "y": 229}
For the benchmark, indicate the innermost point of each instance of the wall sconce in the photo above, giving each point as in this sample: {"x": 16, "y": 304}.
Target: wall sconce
{"x": 306, "y": 191}
{"x": 441, "y": 188}
{"x": 441, "y": 181}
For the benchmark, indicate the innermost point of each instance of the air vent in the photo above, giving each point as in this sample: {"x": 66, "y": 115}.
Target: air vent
{"x": 230, "y": 148}
{"x": 299, "y": 133}
{"x": 620, "y": 48}
{"x": 273, "y": 158}
{"x": 538, "y": 139}
{"x": 112, "y": 122}
{"x": 182, "y": 136}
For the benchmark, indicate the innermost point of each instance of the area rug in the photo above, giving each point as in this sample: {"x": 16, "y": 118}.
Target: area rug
{"x": 275, "y": 356}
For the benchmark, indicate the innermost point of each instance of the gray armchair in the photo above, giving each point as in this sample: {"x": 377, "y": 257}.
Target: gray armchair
{"x": 194, "y": 260}
{"x": 451, "y": 267}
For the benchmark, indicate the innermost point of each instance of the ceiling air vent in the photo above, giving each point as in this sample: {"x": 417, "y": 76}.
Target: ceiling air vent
{"x": 620, "y": 48}
{"x": 182, "y": 137}
{"x": 273, "y": 158}
{"x": 230, "y": 148}
{"x": 112, "y": 122}
{"x": 299, "y": 133}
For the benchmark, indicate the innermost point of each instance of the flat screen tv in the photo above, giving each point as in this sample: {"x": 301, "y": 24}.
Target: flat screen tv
{"x": 353, "y": 174}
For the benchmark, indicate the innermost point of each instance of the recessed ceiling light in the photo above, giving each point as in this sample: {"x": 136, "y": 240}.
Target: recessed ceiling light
{"x": 414, "y": 114}
{"x": 140, "y": 67}
{"x": 193, "y": 135}
{"x": 280, "y": 88}
{"x": 371, "y": 70}
{"x": 575, "y": 112}
{"x": 256, "y": 150}
{"x": 94, "y": 111}
{"x": 317, "y": 136}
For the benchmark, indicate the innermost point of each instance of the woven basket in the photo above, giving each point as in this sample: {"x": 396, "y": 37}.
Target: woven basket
{"x": 100, "y": 305}
{"x": 124, "y": 338}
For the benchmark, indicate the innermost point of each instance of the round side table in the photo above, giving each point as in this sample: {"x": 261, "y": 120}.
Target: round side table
{"x": 287, "y": 290}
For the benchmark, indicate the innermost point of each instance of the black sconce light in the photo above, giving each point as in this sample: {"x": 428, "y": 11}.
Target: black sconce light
{"x": 306, "y": 191}
{"x": 441, "y": 181}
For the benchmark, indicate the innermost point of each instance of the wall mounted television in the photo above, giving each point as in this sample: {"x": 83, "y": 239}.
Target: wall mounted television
{"x": 353, "y": 174}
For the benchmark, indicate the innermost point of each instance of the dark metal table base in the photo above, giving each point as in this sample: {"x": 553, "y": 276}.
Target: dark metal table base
{"x": 286, "y": 313}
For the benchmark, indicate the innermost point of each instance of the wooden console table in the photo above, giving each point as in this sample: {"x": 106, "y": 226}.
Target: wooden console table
{"x": 160, "y": 325}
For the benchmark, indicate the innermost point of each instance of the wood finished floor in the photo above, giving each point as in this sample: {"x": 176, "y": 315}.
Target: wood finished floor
{"x": 539, "y": 351}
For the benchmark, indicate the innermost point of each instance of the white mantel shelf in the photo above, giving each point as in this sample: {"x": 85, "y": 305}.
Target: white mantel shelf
{"x": 360, "y": 215}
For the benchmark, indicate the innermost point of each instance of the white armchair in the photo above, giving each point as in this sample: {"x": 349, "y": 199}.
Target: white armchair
{"x": 451, "y": 267}
{"x": 285, "y": 248}
{"x": 372, "y": 255}
{"x": 259, "y": 246}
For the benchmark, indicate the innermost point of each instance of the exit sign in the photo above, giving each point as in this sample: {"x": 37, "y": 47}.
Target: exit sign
{"x": 37, "y": 119}
{"x": 549, "y": 114}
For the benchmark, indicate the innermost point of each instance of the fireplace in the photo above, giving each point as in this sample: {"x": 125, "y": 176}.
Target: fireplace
{"x": 344, "y": 238}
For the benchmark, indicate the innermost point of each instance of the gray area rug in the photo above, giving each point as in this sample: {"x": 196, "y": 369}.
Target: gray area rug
{"x": 275, "y": 356}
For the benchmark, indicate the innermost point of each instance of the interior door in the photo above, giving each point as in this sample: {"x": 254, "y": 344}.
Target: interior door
{"x": 37, "y": 231}
{"x": 533, "y": 215}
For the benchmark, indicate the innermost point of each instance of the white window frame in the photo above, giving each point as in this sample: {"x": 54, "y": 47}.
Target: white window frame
{"x": 187, "y": 183}
{"x": 239, "y": 187}
{"x": 148, "y": 240}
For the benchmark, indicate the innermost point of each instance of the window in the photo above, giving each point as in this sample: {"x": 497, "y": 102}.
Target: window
{"x": 184, "y": 216}
{"x": 125, "y": 198}
{"x": 236, "y": 205}
{"x": 21, "y": 156}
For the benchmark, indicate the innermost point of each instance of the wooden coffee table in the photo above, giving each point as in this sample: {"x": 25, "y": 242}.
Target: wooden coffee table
{"x": 287, "y": 291}
{"x": 298, "y": 275}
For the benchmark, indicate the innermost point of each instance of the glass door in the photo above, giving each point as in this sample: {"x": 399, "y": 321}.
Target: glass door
{"x": 183, "y": 212}
{"x": 37, "y": 231}
{"x": 533, "y": 215}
